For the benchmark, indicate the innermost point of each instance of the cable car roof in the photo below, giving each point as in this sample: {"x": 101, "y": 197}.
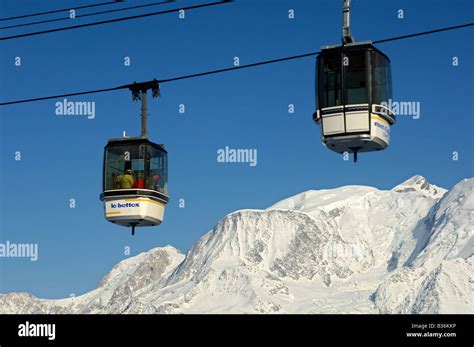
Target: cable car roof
{"x": 134, "y": 141}
{"x": 363, "y": 45}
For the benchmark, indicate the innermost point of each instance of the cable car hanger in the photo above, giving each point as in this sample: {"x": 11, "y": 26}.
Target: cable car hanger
{"x": 139, "y": 92}
{"x": 346, "y": 27}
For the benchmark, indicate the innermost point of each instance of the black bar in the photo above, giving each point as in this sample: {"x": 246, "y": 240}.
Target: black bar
{"x": 317, "y": 330}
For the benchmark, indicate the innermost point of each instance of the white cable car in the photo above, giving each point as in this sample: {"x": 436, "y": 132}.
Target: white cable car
{"x": 135, "y": 175}
{"x": 354, "y": 87}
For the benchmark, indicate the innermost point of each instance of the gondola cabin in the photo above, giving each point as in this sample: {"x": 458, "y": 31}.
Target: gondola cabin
{"x": 354, "y": 86}
{"x": 135, "y": 182}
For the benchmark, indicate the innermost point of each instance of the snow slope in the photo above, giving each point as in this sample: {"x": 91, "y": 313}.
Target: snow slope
{"x": 352, "y": 249}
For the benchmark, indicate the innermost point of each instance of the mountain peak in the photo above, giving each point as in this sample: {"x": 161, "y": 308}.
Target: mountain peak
{"x": 150, "y": 265}
{"x": 421, "y": 185}
{"x": 417, "y": 181}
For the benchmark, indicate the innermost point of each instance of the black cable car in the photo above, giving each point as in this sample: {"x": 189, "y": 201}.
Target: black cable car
{"x": 135, "y": 176}
{"x": 354, "y": 89}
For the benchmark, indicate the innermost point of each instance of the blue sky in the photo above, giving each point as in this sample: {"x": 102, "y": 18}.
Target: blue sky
{"x": 62, "y": 156}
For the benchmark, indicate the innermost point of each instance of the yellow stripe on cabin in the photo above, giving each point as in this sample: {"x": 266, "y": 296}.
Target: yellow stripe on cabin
{"x": 380, "y": 119}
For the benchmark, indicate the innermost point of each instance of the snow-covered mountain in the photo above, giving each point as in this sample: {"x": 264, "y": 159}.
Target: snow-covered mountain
{"x": 352, "y": 249}
{"x": 420, "y": 184}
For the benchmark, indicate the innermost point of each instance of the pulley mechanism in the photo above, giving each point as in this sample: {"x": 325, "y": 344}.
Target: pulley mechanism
{"x": 139, "y": 91}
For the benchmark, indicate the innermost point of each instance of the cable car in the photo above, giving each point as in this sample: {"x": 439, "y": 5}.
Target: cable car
{"x": 354, "y": 89}
{"x": 135, "y": 176}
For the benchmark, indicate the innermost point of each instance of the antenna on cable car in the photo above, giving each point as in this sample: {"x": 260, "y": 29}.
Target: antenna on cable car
{"x": 354, "y": 89}
{"x": 135, "y": 174}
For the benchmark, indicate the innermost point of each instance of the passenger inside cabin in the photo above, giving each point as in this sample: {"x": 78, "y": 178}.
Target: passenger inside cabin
{"x": 140, "y": 181}
{"x": 125, "y": 181}
{"x": 153, "y": 181}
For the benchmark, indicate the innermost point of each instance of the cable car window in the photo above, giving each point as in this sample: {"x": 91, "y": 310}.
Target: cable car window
{"x": 381, "y": 79}
{"x": 137, "y": 166}
{"x": 330, "y": 81}
{"x": 114, "y": 167}
{"x": 158, "y": 176}
{"x": 122, "y": 166}
{"x": 355, "y": 78}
